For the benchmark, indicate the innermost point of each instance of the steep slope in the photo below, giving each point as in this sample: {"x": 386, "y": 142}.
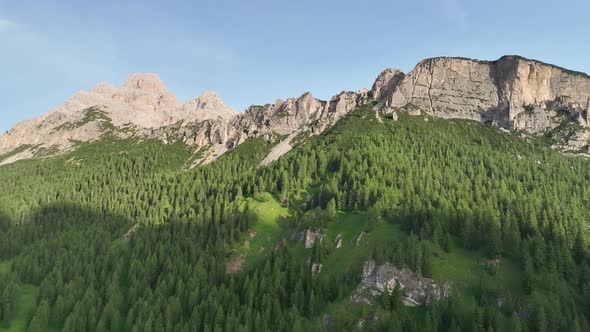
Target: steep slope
{"x": 451, "y": 201}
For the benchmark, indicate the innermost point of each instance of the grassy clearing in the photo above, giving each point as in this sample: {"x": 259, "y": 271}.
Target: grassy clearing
{"x": 465, "y": 270}
{"x": 350, "y": 225}
{"x": 271, "y": 226}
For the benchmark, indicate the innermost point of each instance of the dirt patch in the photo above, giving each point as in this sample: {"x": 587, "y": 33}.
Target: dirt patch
{"x": 236, "y": 264}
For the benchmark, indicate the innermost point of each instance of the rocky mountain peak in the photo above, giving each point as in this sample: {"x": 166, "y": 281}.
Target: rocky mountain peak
{"x": 208, "y": 106}
{"x": 104, "y": 89}
{"x": 386, "y": 83}
{"x": 147, "y": 82}
{"x": 146, "y": 92}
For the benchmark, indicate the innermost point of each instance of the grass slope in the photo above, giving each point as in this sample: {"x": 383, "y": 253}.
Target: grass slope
{"x": 271, "y": 226}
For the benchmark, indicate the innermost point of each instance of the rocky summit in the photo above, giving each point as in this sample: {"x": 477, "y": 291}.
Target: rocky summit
{"x": 514, "y": 93}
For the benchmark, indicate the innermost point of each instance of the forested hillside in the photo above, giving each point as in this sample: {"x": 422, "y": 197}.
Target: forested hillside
{"x": 122, "y": 235}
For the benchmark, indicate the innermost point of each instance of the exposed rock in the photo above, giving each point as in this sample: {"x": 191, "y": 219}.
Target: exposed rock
{"x": 360, "y": 324}
{"x": 416, "y": 290}
{"x": 338, "y": 241}
{"x": 357, "y": 239}
{"x": 386, "y": 83}
{"x": 130, "y": 232}
{"x": 316, "y": 268}
{"x": 208, "y": 106}
{"x": 311, "y": 237}
{"x": 280, "y": 149}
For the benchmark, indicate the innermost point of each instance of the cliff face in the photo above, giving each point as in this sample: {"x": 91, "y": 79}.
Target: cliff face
{"x": 512, "y": 92}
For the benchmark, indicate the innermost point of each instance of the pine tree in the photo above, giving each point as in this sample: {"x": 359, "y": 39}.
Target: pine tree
{"x": 331, "y": 209}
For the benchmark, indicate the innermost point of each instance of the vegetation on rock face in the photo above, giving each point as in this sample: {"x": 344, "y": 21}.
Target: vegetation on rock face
{"x": 503, "y": 220}
{"x": 91, "y": 114}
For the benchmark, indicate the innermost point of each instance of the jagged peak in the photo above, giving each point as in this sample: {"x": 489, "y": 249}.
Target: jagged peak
{"x": 147, "y": 91}
{"x": 208, "y": 99}
{"x": 208, "y": 105}
{"x": 209, "y": 94}
{"x": 306, "y": 94}
{"x": 105, "y": 89}
{"x": 144, "y": 81}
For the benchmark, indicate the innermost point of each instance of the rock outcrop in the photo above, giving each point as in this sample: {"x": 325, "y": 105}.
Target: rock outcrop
{"x": 416, "y": 290}
{"x": 311, "y": 237}
{"x": 338, "y": 241}
{"x": 386, "y": 83}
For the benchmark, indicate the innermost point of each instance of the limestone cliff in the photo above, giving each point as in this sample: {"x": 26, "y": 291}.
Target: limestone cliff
{"x": 512, "y": 92}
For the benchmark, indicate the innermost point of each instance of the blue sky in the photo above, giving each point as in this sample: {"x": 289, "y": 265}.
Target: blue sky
{"x": 253, "y": 52}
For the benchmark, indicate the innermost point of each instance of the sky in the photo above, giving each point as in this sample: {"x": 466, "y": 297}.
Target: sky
{"x": 255, "y": 52}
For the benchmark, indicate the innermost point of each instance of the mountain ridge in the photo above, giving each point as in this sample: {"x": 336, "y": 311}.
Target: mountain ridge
{"x": 513, "y": 92}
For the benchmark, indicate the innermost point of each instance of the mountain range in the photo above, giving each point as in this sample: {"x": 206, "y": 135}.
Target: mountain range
{"x": 527, "y": 97}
